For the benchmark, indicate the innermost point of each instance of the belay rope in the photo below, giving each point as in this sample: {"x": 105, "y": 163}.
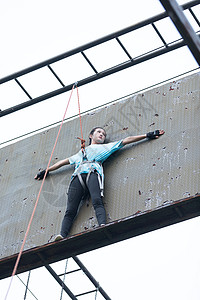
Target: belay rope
{"x": 79, "y": 112}
{"x": 36, "y": 203}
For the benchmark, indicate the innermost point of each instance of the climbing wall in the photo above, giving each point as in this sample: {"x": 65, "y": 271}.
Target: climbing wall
{"x": 138, "y": 178}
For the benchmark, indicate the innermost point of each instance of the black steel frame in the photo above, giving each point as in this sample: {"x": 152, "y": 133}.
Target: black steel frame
{"x": 82, "y": 268}
{"x": 189, "y": 38}
{"x": 177, "y": 16}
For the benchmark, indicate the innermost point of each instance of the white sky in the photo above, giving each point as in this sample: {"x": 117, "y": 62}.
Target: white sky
{"x": 163, "y": 264}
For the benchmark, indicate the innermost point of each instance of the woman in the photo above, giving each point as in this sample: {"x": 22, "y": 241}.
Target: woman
{"x": 88, "y": 174}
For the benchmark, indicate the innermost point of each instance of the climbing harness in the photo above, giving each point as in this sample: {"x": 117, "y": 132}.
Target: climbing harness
{"x": 91, "y": 170}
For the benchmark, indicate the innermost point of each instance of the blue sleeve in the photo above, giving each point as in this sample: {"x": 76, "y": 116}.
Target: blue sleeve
{"x": 109, "y": 149}
{"x": 76, "y": 158}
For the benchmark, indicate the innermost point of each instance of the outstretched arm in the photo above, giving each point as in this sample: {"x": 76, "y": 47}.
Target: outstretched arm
{"x": 54, "y": 167}
{"x": 59, "y": 164}
{"x": 133, "y": 139}
{"x": 136, "y": 138}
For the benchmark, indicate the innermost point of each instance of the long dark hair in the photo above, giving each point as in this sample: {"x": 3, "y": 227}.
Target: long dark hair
{"x": 92, "y": 131}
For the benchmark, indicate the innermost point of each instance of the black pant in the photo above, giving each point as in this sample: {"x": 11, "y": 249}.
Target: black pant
{"x": 75, "y": 194}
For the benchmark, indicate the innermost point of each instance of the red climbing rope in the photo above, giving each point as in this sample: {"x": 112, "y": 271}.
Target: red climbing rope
{"x": 36, "y": 203}
{"x": 79, "y": 112}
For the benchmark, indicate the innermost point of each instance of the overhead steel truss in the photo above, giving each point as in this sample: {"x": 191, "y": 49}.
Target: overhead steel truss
{"x": 174, "y": 11}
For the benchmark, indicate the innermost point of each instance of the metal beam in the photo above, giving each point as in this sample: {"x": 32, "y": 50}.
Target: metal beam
{"x": 92, "y": 279}
{"x": 159, "y": 34}
{"x": 128, "y": 227}
{"x": 86, "y": 272}
{"x": 94, "y": 77}
{"x": 94, "y": 43}
{"x": 131, "y": 62}
{"x": 62, "y": 284}
{"x": 176, "y": 14}
{"x": 57, "y": 278}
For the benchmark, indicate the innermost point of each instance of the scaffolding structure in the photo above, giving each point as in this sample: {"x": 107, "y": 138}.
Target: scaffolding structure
{"x": 80, "y": 267}
{"x": 188, "y": 38}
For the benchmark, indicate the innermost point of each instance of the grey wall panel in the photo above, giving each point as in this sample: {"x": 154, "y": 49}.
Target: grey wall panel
{"x": 140, "y": 177}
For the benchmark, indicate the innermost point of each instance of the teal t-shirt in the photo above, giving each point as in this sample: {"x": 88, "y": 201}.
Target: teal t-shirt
{"x": 96, "y": 154}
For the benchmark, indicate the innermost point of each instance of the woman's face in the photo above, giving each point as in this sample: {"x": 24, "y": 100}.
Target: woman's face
{"x": 98, "y": 136}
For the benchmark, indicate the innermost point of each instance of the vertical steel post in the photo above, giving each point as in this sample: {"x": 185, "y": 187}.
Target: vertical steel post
{"x": 25, "y": 294}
